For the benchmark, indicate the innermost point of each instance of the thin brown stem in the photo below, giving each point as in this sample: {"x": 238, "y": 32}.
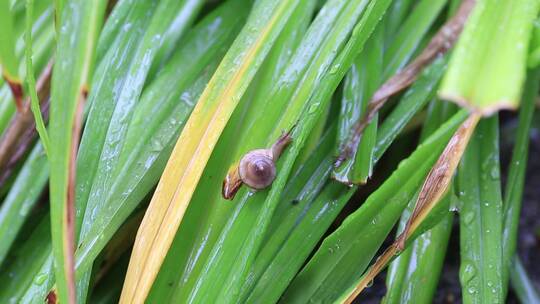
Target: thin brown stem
{"x": 69, "y": 249}
{"x": 439, "y": 44}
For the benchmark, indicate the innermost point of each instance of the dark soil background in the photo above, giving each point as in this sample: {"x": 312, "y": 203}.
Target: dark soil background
{"x": 449, "y": 290}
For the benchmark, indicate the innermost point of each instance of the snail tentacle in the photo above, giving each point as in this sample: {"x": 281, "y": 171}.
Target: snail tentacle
{"x": 281, "y": 143}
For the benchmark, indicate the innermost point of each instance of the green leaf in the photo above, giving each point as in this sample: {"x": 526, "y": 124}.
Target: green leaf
{"x": 132, "y": 162}
{"x": 522, "y": 283}
{"x": 8, "y": 59}
{"x": 208, "y": 211}
{"x": 487, "y": 68}
{"x": 108, "y": 146}
{"x": 534, "y": 53}
{"x": 22, "y": 197}
{"x": 299, "y": 240}
{"x": 29, "y": 267}
{"x": 361, "y": 82}
{"x": 412, "y": 276}
{"x": 414, "y": 99}
{"x": 198, "y": 138}
{"x": 74, "y": 61}
{"x": 239, "y": 244}
{"x": 513, "y": 193}
{"x": 114, "y": 25}
{"x": 34, "y": 101}
{"x": 373, "y": 69}
{"x": 345, "y": 254}
{"x": 397, "y": 12}
{"x": 298, "y": 220}
{"x": 411, "y": 33}
{"x": 481, "y": 217}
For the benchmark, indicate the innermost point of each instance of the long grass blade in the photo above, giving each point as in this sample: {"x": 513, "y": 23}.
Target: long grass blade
{"x": 208, "y": 211}
{"x": 194, "y": 145}
{"x": 149, "y": 140}
{"x": 34, "y": 101}
{"x": 22, "y": 197}
{"x": 487, "y": 69}
{"x": 307, "y": 104}
{"x": 361, "y": 82}
{"x": 343, "y": 255}
{"x": 302, "y": 237}
{"x": 432, "y": 192}
{"x": 406, "y": 277}
{"x": 75, "y": 52}
{"x": 438, "y": 45}
{"x": 27, "y": 269}
{"x": 481, "y": 217}
{"x": 522, "y": 283}
{"x": 513, "y": 193}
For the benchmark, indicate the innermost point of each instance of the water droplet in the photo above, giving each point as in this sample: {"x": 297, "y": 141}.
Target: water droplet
{"x": 468, "y": 218}
{"x": 494, "y": 173}
{"x": 25, "y": 208}
{"x": 40, "y": 278}
{"x": 335, "y": 68}
{"x": 156, "y": 145}
{"x": 468, "y": 273}
{"x": 313, "y": 108}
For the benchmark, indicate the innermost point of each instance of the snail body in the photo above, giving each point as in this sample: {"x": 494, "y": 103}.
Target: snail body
{"x": 257, "y": 168}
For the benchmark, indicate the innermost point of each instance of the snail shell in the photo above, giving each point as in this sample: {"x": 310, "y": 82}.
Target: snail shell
{"x": 257, "y": 169}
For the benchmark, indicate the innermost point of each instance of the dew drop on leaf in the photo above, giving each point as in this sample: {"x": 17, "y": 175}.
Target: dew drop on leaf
{"x": 40, "y": 278}
{"x": 468, "y": 218}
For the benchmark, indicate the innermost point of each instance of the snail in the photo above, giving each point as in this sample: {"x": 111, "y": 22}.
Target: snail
{"x": 257, "y": 168}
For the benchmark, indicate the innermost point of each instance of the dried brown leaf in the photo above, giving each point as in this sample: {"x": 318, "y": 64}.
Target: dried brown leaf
{"x": 439, "y": 44}
{"x": 434, "y": 188}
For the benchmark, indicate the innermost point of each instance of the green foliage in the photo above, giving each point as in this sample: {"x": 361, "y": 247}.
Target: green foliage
{"x": 77, "y": 37}
{"x": 481, "y": 217}
{"x": 487, "y": 69}
{"x": 184, "y": 89}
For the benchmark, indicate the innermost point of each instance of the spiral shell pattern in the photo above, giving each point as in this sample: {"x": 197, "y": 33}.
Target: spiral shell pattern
{"x": 257, "y": 169}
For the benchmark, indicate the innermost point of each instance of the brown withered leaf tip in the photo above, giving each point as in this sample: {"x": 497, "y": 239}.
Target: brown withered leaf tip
{"x": 439, "y": 44}
{"x": 435, "y": 186}
{"x": 438, "y": 180}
